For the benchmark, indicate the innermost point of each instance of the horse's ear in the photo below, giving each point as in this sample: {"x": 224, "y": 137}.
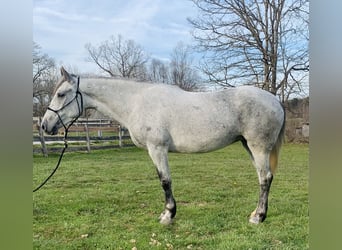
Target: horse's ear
{"x": 65, "y": 74}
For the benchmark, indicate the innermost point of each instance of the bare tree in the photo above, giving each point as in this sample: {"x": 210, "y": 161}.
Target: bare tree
{"x": 182, "y": 72}
{"x": 159, "y": 71}
{"x": 257, "y": 42}
{"x": 43, "y": 79}
{"x": 119, "y": 57}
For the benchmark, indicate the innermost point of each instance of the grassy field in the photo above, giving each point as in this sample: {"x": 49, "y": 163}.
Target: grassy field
{"x": 111, "y": 199}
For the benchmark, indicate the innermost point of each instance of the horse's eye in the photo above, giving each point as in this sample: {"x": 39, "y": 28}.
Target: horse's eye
{"x": 60, "y": 95}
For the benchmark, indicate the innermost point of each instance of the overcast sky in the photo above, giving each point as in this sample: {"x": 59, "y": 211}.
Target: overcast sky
{"x": 62, "y": 27}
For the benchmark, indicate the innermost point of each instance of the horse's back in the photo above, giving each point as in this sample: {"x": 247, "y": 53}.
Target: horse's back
{"x": 201, "y": 121}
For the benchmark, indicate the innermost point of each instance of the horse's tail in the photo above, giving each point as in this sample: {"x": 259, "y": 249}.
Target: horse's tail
{"x": 276, "y": 148}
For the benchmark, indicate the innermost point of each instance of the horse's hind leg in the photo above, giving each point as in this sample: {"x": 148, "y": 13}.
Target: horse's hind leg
{"x": 158, "y": 155}
{"x": 261, "y": 162}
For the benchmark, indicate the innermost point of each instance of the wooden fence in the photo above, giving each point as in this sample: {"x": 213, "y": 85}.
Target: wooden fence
{"x": 83, "y": 135}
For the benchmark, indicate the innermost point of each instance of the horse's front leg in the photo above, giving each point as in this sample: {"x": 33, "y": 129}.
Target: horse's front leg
{"x": 158, "y": 155}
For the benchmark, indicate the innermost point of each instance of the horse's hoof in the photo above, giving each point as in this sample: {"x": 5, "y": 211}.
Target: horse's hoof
{"x": 165, "y": 218}
{"x": 254, "y": 220}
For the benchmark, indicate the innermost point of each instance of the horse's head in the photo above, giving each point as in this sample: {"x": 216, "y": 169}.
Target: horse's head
{"x": 66, "y": 104}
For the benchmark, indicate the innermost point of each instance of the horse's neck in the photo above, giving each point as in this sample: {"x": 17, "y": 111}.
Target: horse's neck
{"x": 110, "y": 96}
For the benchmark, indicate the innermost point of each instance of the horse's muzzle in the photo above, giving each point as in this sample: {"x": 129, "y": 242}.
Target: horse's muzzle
{"x": 45, "y": 128}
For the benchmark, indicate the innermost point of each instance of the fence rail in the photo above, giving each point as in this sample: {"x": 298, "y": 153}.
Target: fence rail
{"x": 84, "y": 135}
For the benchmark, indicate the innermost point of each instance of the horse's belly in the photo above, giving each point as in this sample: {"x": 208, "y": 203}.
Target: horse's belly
{"x": 200, "y": 143}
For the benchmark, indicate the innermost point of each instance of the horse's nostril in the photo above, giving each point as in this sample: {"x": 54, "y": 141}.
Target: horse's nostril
{"x": 43, "y": 126}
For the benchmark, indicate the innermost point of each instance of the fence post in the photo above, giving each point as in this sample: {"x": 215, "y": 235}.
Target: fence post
{"x": 42, "y": 139}
{"x": 99, "y": 131}
{"x": 87, "y": 136}
{"x": 120, "y": 136}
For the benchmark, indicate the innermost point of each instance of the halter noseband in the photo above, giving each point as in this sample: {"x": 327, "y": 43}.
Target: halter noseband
{"x": 80, "y": 107}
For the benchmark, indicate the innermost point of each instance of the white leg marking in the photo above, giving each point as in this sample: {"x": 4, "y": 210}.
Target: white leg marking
{"x": 165, "y": 217}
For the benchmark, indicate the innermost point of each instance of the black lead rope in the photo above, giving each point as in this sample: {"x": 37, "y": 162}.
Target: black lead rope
{"x": 58, "y": 163}
{"x": 66, "y": 128}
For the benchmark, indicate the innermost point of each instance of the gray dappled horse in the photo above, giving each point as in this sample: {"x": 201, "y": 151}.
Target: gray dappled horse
{"x": 163, "y": 118}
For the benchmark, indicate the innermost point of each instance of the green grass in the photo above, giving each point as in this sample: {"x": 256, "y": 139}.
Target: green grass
{"x": 111, "y": 199}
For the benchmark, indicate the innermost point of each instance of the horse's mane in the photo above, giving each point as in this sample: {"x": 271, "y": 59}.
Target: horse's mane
{"x": 118, "y": 78}
{"x": 96, "y": 77}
